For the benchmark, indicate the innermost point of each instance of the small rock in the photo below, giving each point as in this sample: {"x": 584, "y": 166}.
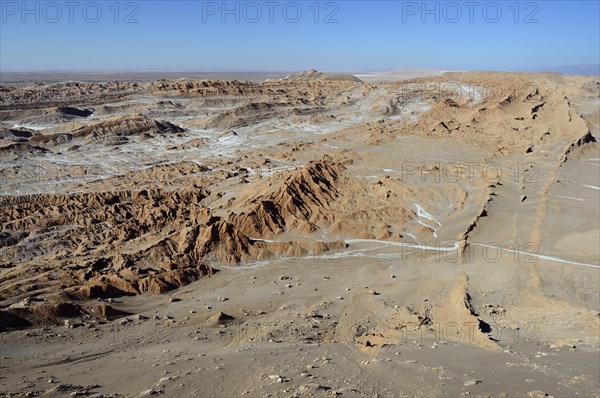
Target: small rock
{"x": 472, "y": 382}
{"x": 312, "y": 387}
{"x": 220, "y": 318}
{"x": 149, "y": 392}
{"x": 536, "y": 394}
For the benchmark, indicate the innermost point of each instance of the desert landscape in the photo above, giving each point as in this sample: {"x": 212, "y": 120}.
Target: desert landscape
{"x": 304, "y": 234}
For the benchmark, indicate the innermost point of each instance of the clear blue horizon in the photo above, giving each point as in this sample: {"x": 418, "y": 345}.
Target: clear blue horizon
{"x": 297, "y": 35}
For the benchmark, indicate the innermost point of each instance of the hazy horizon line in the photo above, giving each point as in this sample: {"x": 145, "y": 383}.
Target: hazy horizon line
{"x": 221, "y": 70}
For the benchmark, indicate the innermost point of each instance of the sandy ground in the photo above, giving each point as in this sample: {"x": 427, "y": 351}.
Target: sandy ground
{"x": 312, "y": 236}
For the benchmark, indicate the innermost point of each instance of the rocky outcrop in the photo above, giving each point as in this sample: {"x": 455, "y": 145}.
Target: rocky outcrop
{"x": 321, "y": 76}
{"x": 127, "y": 126}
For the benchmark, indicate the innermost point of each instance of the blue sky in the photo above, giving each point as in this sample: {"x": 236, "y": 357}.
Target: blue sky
{"x": 359, "y": 35}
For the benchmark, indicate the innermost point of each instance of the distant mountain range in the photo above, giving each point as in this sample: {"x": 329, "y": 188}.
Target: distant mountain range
{"x": 590, "y": 70}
